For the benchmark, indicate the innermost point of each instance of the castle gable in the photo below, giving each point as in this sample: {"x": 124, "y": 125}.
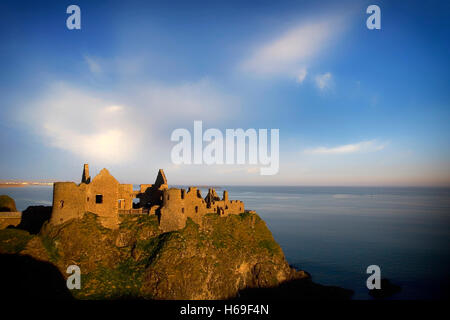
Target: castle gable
{"x": 104, "y": 175}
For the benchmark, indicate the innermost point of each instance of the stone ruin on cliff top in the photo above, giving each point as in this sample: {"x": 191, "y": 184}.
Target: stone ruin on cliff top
{"x": 109, "y": 199}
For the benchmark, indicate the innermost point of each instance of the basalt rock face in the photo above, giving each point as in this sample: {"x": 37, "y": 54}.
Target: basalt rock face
{"x": 223, "y": 257}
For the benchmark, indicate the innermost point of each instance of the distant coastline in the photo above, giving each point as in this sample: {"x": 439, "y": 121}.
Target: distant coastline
{"x": 16, "y": 184}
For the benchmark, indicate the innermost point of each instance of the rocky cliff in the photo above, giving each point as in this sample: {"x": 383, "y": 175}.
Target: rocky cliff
{"x": 227, "y": 257}
{"x": 7, "y": 204}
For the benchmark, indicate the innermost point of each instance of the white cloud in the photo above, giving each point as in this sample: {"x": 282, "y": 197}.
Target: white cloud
{"x": 363, "y": 146}
{"x": 323, "y": 81}
{"x": 113, "y": 128}
{"x": 301, "y": 75}
{"x": 83, "y": 123}
{"x": 293, "y": 49}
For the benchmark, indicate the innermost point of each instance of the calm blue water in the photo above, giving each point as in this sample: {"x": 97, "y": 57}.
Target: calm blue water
{"x": 336, "y": 232}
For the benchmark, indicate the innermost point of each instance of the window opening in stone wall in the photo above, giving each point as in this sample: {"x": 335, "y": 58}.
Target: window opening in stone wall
{"x": 99, "y": 198}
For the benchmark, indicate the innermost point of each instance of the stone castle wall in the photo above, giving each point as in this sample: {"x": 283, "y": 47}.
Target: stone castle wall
{"x": 69, "y": 201}
{"x": 178, "y": 205}
{"x": 126, "y": 196}
{"x": 10, "y": 218}
{"x": 106, "y": 197}
{"x": 106, "y": 186}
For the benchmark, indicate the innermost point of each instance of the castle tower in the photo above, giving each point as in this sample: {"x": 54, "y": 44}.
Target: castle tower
{"x": 161, "y": 178}
{"x": 86, "y": 178}
{"x": 225, "y": 195}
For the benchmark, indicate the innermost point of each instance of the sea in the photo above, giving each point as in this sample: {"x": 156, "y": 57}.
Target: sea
{"x": 335, "y": 233}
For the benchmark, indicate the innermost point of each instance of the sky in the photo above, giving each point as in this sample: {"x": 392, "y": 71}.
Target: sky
{"x": 354, "y": 107}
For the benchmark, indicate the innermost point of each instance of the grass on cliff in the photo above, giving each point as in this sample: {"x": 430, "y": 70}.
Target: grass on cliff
{"x": 122, "y": 282}
{"x": 232, "y": 231}
{"x": 91, "y": 222}
{"x": 133, "y": 222}
{"x": 50, "y": 247}
{"x": 13, "y": 240}
{"x": 270, "y": 246}
{"x": 125, "y": 280}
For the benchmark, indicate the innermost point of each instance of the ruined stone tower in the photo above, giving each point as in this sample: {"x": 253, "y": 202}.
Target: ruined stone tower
{"x": 161, "y": 178}
{"x": 86, "y": 178}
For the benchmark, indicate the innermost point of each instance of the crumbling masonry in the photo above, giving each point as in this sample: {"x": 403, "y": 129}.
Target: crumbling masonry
{"x": 108, "y": 199}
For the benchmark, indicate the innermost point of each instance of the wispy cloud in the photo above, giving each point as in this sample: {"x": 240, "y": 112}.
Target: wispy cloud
{"x": 93, "y": 64}
{"x": 294, "y": 49}
{"x": 323, "y": 81}
{"x": 301, "y": 75}
{"x": 363, "y": 146}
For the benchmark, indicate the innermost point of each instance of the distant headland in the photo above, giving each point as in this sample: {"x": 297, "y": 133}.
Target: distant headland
{"x": 18, "y": 184}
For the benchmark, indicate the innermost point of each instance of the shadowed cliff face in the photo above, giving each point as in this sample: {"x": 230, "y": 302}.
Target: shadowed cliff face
{"x": 222, "y": 258}
{"x": 23, "y": 277}
{"x": 34, "y": 217}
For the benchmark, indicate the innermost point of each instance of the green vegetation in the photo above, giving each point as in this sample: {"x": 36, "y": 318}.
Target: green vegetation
{"x": 133, "y": 222}
{"x": 270, "y": 246}
{"x": 90, "y": 221}
{"x": 50, "y": 247}
{"x": 13, "y": 240}
{"x": 122, "y": 282}
{"x": 245, "y": 215}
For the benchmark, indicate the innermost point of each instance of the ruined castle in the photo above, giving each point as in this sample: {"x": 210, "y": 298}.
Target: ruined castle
{"x": 109, "y": 199}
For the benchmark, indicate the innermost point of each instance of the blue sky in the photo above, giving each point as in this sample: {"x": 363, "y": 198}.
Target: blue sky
{"x": 353, "y": 106}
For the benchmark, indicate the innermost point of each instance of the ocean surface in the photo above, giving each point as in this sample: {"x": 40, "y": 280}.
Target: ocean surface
{"x": 335, "y": 233}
